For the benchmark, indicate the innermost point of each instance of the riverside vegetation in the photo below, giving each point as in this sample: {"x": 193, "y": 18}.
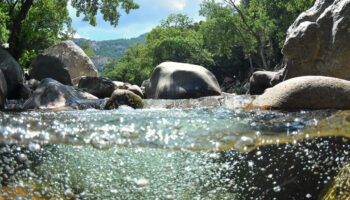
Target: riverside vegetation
{"x": 60, "y": 141}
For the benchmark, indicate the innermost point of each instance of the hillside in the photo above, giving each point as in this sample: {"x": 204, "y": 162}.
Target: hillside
{"x": 106, "y": 50}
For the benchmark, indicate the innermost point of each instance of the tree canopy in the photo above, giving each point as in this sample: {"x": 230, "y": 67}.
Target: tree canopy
{"x": 234, "y": 40}
{"x": 33, "y": 25}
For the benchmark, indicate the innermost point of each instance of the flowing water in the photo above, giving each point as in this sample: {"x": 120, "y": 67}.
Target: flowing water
{"x": 184, "y": 149}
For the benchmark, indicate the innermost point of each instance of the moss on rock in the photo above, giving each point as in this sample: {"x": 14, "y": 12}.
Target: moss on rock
{"x": 124, "y": 97}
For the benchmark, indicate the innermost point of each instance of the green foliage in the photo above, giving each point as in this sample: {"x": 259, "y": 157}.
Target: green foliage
{"x": 27, "y": 57}
{"x": 34, "y": 25}
{"x": 3, "y": 31}
{"x": 108, "y": 8}
{"x": 86, "y": 48}
{"x": 174, "y": 40}
{"x": 233, "y": 41}
{"x": 134, "y": 67}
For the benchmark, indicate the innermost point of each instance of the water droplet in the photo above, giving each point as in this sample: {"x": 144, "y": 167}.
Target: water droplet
{"x": 34, "y": 147}
{"x": 22, "y": 157}
{"x": 141, "y": 182}
{"x": 245, "y": 143}
{"x": 114, "y": 191}
{"x": 277, "y": 189}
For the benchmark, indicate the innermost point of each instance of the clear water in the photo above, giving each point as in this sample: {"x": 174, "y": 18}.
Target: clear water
{"x": 185, "y": 149}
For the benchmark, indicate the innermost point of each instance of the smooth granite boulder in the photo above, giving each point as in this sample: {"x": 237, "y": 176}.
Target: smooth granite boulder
{"x": 306, "y": 92}
{"x": 13, "y": 74}
{"x": 318, "y": 42}
{"x": 77, "y": 62}
{"x": 171, "y": 80}
{"x": 45, "y": 66}
{"x": 98, "y": 86}
{"x": 260, "y": 80}
{"x": 3, "y": 90}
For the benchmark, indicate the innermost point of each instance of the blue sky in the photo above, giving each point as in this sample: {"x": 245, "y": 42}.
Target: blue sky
{"x": 137, "y": 22}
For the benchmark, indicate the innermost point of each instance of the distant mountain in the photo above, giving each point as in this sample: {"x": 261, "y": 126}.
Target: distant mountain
{"x": 106, "y": 50}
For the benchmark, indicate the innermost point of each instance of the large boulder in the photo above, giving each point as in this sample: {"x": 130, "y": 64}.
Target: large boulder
{"x": 124, "y": 97}
{"x": 77, "y": 62}
{"x": 45, "y": 66}
{"x": 98, "y": 86}
{"x": 3, "y": 90}
{"x": 13, "y": 74}
{"x": 306, "y": 92}
{"x": 260, "y": 80}
{"x": 171, "y": 80}
{"x": 52, "y": 94}
{"x": 318, "y": 42}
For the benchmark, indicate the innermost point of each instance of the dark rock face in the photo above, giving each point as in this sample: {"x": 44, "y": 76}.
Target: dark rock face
{"x": 3, "y": 90}
{"x": 318, "y": 42}
{"x": 44, "y": 66}
{"x": 124, "y": 97}
{"x": 13, "y": 74}
{"x": 171, "y": 80}
{"x": 52, "y": 94}
{"x": 98, "y": 86}
{"x": 261, "y": 80}
{"x": 306, "y": 92}
{"x": 77, "y": 62}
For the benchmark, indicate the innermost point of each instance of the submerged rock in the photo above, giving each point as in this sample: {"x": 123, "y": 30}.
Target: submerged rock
{"x": 45, "y": 66}
{"x": 98, "y": 86}
{"x": 171, "y": 80}
{"x": 77, "y": 62}
{"x": 340, "y": 187}
{"x": 124, "y": 97}
{"x": 13, "y": 74}
{"x": 52, "y": 94}
{"x": 3, "y": 90}
{"x": 306, "y": 92}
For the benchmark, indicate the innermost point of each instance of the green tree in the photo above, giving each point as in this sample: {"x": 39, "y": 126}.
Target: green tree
{"x": 87, "y": 49}
{"x": 45, "y": 20}
{"x": 134, "y": 67}
{"x": 3, "y": 31}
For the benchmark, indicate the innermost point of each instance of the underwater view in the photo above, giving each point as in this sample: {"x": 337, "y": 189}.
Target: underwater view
{"x": 209, "y": 148}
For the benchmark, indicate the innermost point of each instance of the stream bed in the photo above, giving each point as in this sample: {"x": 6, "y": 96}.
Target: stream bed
{"x": 173, "y": 149}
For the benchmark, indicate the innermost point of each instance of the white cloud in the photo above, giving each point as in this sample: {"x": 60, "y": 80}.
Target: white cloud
{"x": 176, "y": 5}
{"x": 77, "y": 36}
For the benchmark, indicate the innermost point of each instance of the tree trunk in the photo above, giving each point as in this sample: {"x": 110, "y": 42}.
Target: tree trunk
{"x": 15, "y": 47}
{"x": 251, "y": 64}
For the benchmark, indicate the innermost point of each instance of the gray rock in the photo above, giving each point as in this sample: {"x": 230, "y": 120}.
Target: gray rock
{"x": 3, "y": 90}
{"x": 306, "y": 92}
{"x": 13, "y": 74}
{"x": 45, "y": 66}
{"x": 171, "y": 80}
{"x": 318, "y": 42}
{"x": 261, "y": 80}
{"x": 124, "y": 97}
{"x": 77, "y": 62}
{"x": 98, "y": 86}
{"x": 25, "y": 91}
{"x": 136, "y": 89}
{"x": 33, "y": 84}
{"x": 52, "y": 94}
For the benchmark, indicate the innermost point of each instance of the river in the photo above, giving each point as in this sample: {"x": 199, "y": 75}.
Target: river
{"x": 173, "y": 149}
